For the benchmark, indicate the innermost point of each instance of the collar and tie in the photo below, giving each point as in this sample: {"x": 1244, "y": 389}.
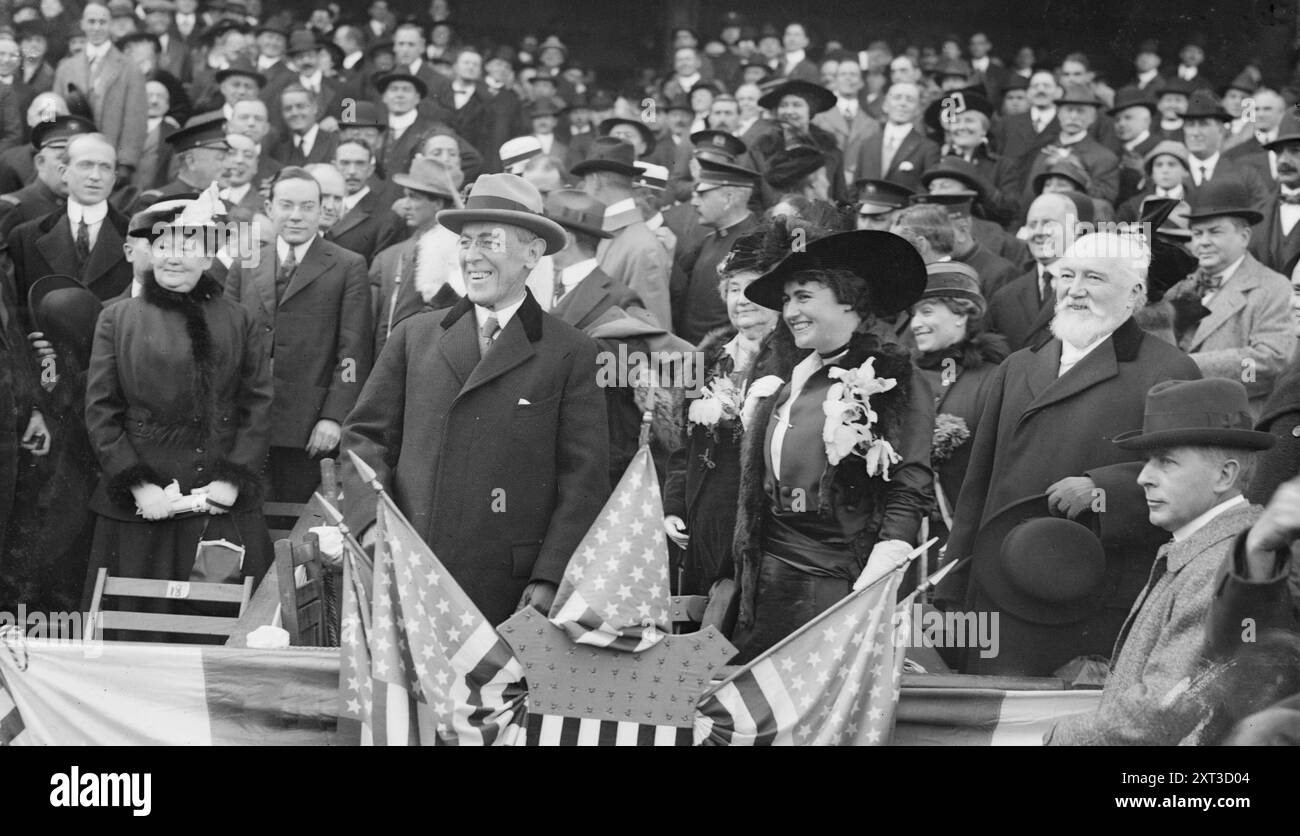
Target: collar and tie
{"x": 1207, "y": 284}
{"x": 557, "y": 292}
{"x": 285, "y": 274}
{"x": 1046, "y": 289}
{"x": 1289, "y": 196}
{"x": 83, "y": 240}
{"x": 1202, "y": 172}
{"x": 487, "y": 334}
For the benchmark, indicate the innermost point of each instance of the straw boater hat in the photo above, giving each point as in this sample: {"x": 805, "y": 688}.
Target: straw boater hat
{"x": 889, "y": 265}
{"x": 509, "y": 200}
{"x": 517, "y": 151}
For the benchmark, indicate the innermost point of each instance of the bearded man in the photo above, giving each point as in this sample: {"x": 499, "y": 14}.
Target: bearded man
{"x": 1046, "y": 436}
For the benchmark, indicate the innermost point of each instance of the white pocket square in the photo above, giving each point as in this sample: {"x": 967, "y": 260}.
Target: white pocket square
{"x": 524, "y": 402}
{"x": 906, "y": 165}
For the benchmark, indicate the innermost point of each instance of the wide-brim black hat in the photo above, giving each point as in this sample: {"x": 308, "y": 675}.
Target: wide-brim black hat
{"x": 245, "y": 71}
{"x": 65, "y": 311}
{"x": 1224, "y": 198}
{"x": 1211, "y": 412}
{"x": 889, "y": 264}
{"x": 819, "y": 98}
{"x": 1038, "y": 567}
{"x": 955, "y": 103}
{"x": 647, "y": 135}
{"x": 608, "y": 154}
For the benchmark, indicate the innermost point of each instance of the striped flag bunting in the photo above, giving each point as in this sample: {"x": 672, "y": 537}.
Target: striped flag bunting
{"x": 966, "y": 716}
{"x": 439, "y": 673}
{"x": 615, "y": 589}
{"x": 356, "y": 691}
{"x": 554, "y": 730}
{"x": 834, "y": 682}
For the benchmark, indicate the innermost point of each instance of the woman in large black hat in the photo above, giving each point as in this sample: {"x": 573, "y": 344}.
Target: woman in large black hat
{"x": 835, "y": 461}
{"x": 795, "y": 103}
{"x": 179, "y": 391}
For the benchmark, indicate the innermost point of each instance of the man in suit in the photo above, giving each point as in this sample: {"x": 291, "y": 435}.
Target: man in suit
{"x": 1270, "y": 119}
{"x": 899, "y": 153}
{"x": 408, "y": 59}
{"x": 1022, "y": 310}
{"x": 406, "y": 127}
{"x": 1076, "y": 111}
{"x": 414, "y": 275}
{"x": 722, "y": 195}
{"x": 200, "y": 150}
{"x": 485, "y": 423}
{"x": 151, "y": 172}
{"x": 313, "y": 300}
{"x": 1134, "y": 113}
{"x": 1146, "y": 66}
{"x": 633, "y": 255}
{"x": 578, "y": 291}
{"x": 1193, "y": 480}
{"x": 1019, "y": 136}
{"x": 1275, "y": 243}
{"x": 686, "y": 73}
{"x": 848, "y": 122}
{"x": 987, "y": 69}
{"x": 272, "y": 46}
{"x": 368, "y": 225}
{"x": 1205, "y": 126}
{"x": 47, "y": 192}
{"x": 543, "y": 116}
{"x": 306, "y": 142}
{"x": 1242, "y": 329}
{"x": 994, "y": 271}
{"x": 85, "y": 239}
{"x": 173, "y": 52}
{"x": 466, "y": 103}
{"x": 1047, "y": 428}
{"x": 112, "y": 87}
{"x": 795, "y": 64}
{"x": 243, "y": 201}
{"x": 304, "y": 57}
{"x": 13, "y": 95}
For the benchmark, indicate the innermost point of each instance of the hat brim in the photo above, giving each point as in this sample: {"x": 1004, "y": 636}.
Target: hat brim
{"x": 888, "y": 263}
{"x": 408, "y": 182}
{"x": 817, "y": 102}
{"x": 231, "y": 73}
{"x": 1040, "y": 180}
{"x": 382, "y": 83}
{"x": 1195, "y": 437}
{"x": 545, "y": 228}
{"x": 1251, "y": 216}
{"x": 647, "y": 135}
{"x": 587, "y": 166}
{"x": 584, "y": 228}
{"x": 990, "y": 569}
{"x": 1149, "y": 105}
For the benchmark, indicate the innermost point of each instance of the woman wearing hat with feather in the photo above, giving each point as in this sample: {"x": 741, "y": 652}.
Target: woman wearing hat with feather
{"x": 835, "y": 461}
{"x": 958, "y": 357}
{"x": 178, "y": 390}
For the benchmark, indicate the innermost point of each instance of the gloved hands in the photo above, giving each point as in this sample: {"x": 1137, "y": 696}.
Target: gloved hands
{"x": 221, "y": 497}
{"x": 675, "y": 528}
{"x": 885, "y": 557}
{"x": 331, "y": 543}
{"x": 539, "y": 595}
{"x": 152, "y": 501}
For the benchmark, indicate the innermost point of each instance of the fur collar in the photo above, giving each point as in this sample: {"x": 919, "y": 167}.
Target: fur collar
{"x": 981, "y": 349}
{"x": 159, "y": 296}
{"x": 190, "y": 305}
{"x": 529, "y": 314}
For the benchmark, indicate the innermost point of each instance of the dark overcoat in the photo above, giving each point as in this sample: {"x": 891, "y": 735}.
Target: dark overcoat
{"x": 500, "y": 465}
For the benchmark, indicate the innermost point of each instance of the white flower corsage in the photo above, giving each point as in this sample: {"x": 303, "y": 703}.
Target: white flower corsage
{"x": 764, "y": 387}
{"x": 719, "y": 400}
{"x": 850, "y": 418}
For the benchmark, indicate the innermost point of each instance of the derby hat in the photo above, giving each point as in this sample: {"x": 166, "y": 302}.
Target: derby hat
{"x": 1213, "y": 411}
{"x": 952, "y": 68}
{"x": 954, "y": 103}
{"x": 428, "y": 177}
{"x": 608, "y": 154}
{"x": 65, "y": 311}
{"x": 244, "y": 69}
{"x": 578, "y": 211}
{"x": 381, "y": 83}
{"x": 819, "y": 99}
{"x": 647, "y": 135}
{"x": 362, "y": 114}
{"x": 509, "y": 200}
{"x": 1040, "y": 568}
{"x": 1177, "y": 87}
{"x": 890, "y": 266}
{"x": 1079, "y": 94}
{"x": 1287, "y": 131}
{"x": 1220, "y": 198}
{"x": 542, "y": 107}
{"x": 1203, "y": 104}
{"x": 274, "y": 26}
{"x": 1133, "y": 97}
{"x": 301, "y": 40}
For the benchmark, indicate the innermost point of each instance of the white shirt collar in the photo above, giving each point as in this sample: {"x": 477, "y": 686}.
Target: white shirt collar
{"x": 980, "y": 64}
{"x": 795, "y": 57}
{"x": 314, "y": 80}
{"x": 896, "y": 131}
{"x": 1141, "y": 138}
{"x": 1188, "y": 529}
{"x": 620, "y": 206}
{"x": 547, "y": 141}
{"x": 655, "y": 222}
{"x": 1230, "y": 270}
{"x": 100, "y": 51}
{"x": 93, "y": 214}
{"x": 350, "y": 202}
{"x": 406, "y": 120}
{"x": 350, "y": 61}
{"x": 235, "y": 194}
{"x": 299, "y": 250}
{"x": 503, "y": 315}
{"x": 309, "y": 138}
{"x": 1043, "y": 112}
{"x": 1147, "y": 76}
{"x": 1070, "y": 356}
{"x": 266, "y": 62}
{"x": 152, "y": 123}
{"x": 688, "y": 81}
{"x": 575, "y": 273}
{"x": 1209, "y": 163}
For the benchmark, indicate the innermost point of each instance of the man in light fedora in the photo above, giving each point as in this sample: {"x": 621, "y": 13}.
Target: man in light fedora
{"x": 1243, "y": 328}
{"x": 1199, "y": 445}
{"x": 484, "y": 421}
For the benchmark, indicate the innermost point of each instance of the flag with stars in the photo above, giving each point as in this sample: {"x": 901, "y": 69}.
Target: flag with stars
{"x": 440, "y": 673}
{"x": 615, "y": 589}
{"x": 355, "y": 726}
{"x": 833, "y": 683}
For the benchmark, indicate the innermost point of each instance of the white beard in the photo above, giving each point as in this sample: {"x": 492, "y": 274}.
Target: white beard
{"x": 1081, "y": 329}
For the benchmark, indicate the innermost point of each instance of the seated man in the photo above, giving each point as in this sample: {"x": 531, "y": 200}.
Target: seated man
{"x": 1200, "y": 452}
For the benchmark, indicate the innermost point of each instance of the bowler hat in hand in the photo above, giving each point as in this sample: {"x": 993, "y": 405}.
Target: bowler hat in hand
{"x": 65, "y": 311}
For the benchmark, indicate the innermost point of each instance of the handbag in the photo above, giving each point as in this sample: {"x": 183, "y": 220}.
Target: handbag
{"x": 216, "y": 560}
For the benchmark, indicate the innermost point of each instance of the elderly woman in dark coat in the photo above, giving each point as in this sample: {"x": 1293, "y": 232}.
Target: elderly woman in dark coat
{"x": 958, "y": 358}
{"x": 704, "y": 474}
{"x": 814, "y": 514}
{"x": 178, "y": 390}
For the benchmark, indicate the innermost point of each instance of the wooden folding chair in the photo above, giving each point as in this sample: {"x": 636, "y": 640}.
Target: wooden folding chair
{"x": 300, "y": 577}
{"x": 100, "y": 619}
{"x": 685, "y": 612}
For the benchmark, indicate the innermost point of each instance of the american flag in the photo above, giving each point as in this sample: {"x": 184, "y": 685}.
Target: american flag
{"x": 833, "y": 683}
{"x": 356, "y": 694}
{"x": 615, "y": 590}
{"x": 438, "y": 672}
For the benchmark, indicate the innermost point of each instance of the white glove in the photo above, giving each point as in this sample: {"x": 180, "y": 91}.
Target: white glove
{"x": 152, "y": 501}
{"x": 331, "y": 543}
{"x": 887, "y": 556}
{"x": 224, "y": 494}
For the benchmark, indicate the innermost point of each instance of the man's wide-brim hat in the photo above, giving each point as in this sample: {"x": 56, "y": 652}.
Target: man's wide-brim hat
{"x": 890, "y": 265}
{"x": 578, "y": 211}
{"x": 244, "y": 69}
{"x": 647, "y": 135}
{"x": 362, "y": 114}
{"x": 1037, "y": 567}
{"x": 428, "y": 177}
{"x": 1212, "y": 412}
{"x": 381, "y": 83}
{"x": 819, "y": 99}
{"x": 1224, "y": 198}
{"x": 608, "y": 154}
{"x": 65, "y": 311}
{"x": 953, "y": 104}
{"x": 507, "y": 200}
